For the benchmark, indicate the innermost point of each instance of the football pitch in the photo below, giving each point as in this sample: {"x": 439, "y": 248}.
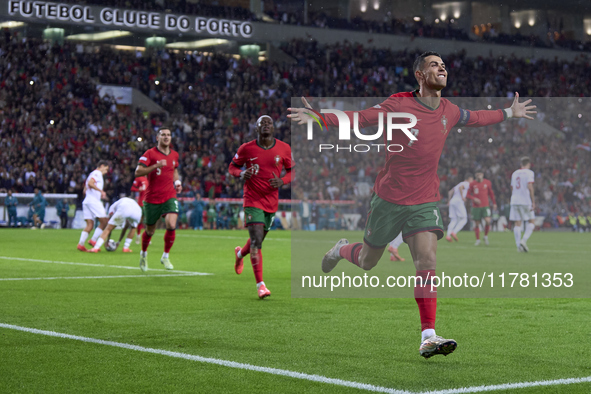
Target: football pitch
{"x": 94, "y": 323}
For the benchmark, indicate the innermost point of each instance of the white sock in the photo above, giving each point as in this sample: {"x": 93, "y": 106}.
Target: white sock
{"x": 164, "y": 255}
{"x": 260, "y": 284}
{"x": 99, "y": 243}
{"x": 144, "y": 254}
{"x": 239, "y": 254}
{"x": 452, "y": 226}
{"x": 397, "y": 241}
{"x": 97, "y": 233}
{"x": 460, "y": 225}
{"x": 83, "y": 238}
{"x": 517, "y": 233}
{"x": 127, "y": 242}
{"x": 529, "y": 229}
{"x": 428, "y": 333}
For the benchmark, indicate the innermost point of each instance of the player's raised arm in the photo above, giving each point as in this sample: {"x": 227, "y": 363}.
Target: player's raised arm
{"x": 489, "y": 117}
{"x": 142, "y": 170}
{"x": 366, "y": 117}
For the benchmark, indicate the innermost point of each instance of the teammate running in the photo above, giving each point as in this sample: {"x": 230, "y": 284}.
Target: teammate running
{"x": 264, "y": 158}
{"x": 457, "y": 208}
{"x": 406, "y": 190}
{"x": 92, "y": 207}
{"x": 160, "y": 165}
{"x": 125, "y": 212}
{"x": 479, "y": 192}
{"x": 523, "y": 203}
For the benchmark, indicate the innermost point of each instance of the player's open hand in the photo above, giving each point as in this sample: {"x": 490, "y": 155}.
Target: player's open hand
{"x": 178, "y": 188}
{"x": 248, "y": 173}
{"x": 103, "y": 195}
{"x": 276, "y": 182}
{"x": 300, "y": 115}
{"x": 476, "y": 201}
{"x": 522, "y": 110}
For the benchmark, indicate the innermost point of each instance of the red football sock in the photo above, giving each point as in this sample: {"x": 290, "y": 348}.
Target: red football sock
{"x": 426, "y": 299}
{"x": 145, "y": 241}
{"x": 486, "y": 229}
{"x": 245, "y": 249}
{"x": 139, "y": 228}
{"x": 257, "y": 266}
{"x": 351, "y": 252}
{"x": 477, "y": 231}
{"x": 169, "y": 236}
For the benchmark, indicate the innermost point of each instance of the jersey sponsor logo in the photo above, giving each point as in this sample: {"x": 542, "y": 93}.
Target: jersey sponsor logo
{"x": 144, "y": 158}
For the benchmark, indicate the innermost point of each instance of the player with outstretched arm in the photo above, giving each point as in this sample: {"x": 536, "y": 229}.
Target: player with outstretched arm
{"x": 406, "y": 190}
{"x": 264, "y": 159}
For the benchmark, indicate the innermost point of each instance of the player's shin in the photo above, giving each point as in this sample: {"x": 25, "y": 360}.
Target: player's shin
{"x": 426, "y": 298}
{"x": 517, "y": 233}
{"x": 83, "y": 238}
{"x": 529, "y": 229}
{"x": 351, "y": 252}
{"x": 477, "y": 231}
{"x": 169, "y": 237}
{"x": 97, "y": 233}
{"x": 245, "y": 249}
{"x": 257, "y": 265}
{"x": 145, "y": 241}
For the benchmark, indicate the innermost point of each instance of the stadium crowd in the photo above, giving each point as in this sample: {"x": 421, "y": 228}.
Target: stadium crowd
{"x": 214, "y": 100}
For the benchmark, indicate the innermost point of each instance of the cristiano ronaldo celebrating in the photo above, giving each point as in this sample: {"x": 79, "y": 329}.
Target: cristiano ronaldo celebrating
{"x": 406, "y": 190}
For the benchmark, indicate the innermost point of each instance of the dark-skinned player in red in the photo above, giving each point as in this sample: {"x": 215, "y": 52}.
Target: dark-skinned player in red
{"x": 406, "y": 190}
{"x": 160, "y": 165}
{"x": 480, "y": 192}
{"x": 264, "y": 159}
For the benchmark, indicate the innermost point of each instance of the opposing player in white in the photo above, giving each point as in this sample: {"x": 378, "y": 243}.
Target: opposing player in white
{"x": 92, "y": 207}
{"x": 393, "y": 248}
{"x": 124, "y": 211}
{"x": 522, "y": 203}
{"x": 457, "y": 208}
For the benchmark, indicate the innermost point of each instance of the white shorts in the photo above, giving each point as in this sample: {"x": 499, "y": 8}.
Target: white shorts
{"x": 131, "y": 213}
{"x": 93, "y": 209}
{"x": 457, "y": 210}
{"x": 521, "y": 213}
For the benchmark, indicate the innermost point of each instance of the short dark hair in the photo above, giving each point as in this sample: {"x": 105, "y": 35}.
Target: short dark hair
{"x": 468, "y": 175}
{"x": 420, "y": 60}
{"x": 102, "y": 163}
{"x": 525, "y": 160}
{"x": 164, "y": 126}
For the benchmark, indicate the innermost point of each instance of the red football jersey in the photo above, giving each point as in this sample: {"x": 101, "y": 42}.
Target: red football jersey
{"x": 410, "y": 177}
{"x": 161, "y": 180}
{"x": 258, "y": 192}
{"x": 482, "y": 190}
{"x": 140, "y": 184}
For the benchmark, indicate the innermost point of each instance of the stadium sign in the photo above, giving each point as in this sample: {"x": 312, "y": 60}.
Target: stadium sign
{"x": 122, "y": 18}
{"x": 345, "y": 130}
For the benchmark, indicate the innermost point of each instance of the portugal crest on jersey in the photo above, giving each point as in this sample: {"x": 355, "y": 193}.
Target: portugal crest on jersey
{"x": 444, "y": 123}
{"x": 277, "y": 160}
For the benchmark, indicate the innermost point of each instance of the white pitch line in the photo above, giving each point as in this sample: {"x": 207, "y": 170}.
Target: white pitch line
{"x": 298, "y": 375}
{"x": 208, "y": 360}
{"x": 107, "y": 277}
{"x": 509, "y": 386}
{"x": 101, "y": 265}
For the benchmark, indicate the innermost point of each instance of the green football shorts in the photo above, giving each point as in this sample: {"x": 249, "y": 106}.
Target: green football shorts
{"x": 153, "y": 212}
{"x": 254, "y": 215}
{"x": 386, "y": 220}
{"x": 480, "y": 213}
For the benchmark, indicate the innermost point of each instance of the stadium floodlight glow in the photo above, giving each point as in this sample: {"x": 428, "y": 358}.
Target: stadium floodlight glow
{"x": 104, "y": 35}
{"x": 580, "y": 116}
{"x": 417, "y": 18}
{"x": 139, "y": 139}
{"x": 208, "y": 42}
{"x": 51, "y": 121}
{"x": 459, "y": 130}
{"x": 31, "y": 82}
{"x": 490, "y": 140}
{"x": 363, "y": 7}
{"x": 157, "y": 82}
{"x": 589, "y": 31}
{"x": 437, "y": 20}
{"x": 11, "y": 24}
{"x": 376, "y": 5}
{"x": 457, "y": 14}
{"x": 531, "y": 21}
{"x": 517, "y": 24}
{"x": 443, "y": 17}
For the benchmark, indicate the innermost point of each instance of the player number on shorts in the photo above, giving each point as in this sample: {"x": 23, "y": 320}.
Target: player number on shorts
{"x": 414, "y": 132}
{"x": 437, "y": 216}
{"x": 176, "y": 205}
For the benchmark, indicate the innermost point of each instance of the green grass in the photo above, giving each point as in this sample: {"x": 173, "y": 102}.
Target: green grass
{"x": 374, "y": 341}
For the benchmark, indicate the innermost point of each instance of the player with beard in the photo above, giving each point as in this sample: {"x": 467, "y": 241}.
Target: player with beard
{"x": 406, "y": 190}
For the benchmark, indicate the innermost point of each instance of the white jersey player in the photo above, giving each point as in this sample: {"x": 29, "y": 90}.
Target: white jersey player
{"x": 92, "y": 207}
{"x": 393, "y": 248}
{"x": 457, "y": 208}
{"x": 124, "y": 213}
{"x": 522, "y": 203}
